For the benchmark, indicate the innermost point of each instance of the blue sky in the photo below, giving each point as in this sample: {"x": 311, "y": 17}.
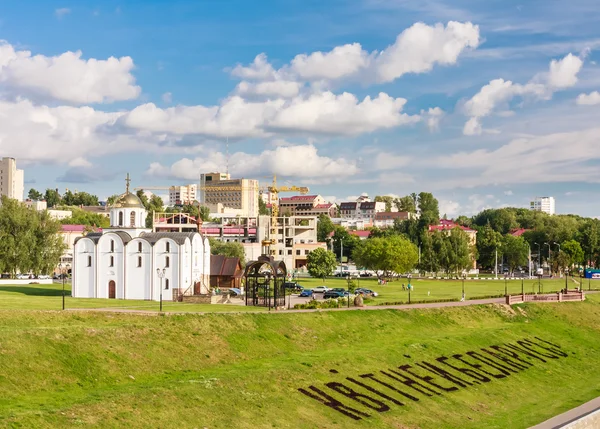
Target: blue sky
{"x": 485, "y": 104}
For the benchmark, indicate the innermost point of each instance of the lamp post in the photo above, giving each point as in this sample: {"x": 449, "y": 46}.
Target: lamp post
{"x": 539, "y": 255}
{"x": 549, "y": 258}
{"x": 505, "y": 286}
{"x": 409, "y": 276}
{"x": 558, "y": 252}
{"x": 62, "y": 269}
{"x": 463, "y": 286}
{"x": 161, "y": 275}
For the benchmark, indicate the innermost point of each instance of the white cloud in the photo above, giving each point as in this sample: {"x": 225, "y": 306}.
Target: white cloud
{"x": 80, "y": 162}
{"x": 276, "y": 89}
{"x": 62, "y": 12}
{"x": 416, "y": 50}
{"x": 434, "y": 116}
{"x": 66, "y": 77}
{"x": 302, "y": 161}
{"x": 449, "y": 208}
{"x": 508, "y": 193}
{"x": 498, "y": 93}
{"x": 590, "y": 99}
{"x": 322, "y": 113}
{"x": 387, "y": 161}
{"x": 167, "y": 97}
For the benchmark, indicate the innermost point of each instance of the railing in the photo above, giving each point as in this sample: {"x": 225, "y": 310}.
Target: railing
{"x": 550, "y": 297}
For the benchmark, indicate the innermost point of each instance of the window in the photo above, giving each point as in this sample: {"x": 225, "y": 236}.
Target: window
{"x": 298, "y": 252}
{"x": 289, "y": 251}
{"x": 139, "y": 261}
{"x": 89, "y": 261}
{"x": 120, "y": 218}
{"x": 112, "y": 245}
{"x": 140, "y": 247}
{"x": 132, "y": 219}
{"x": 167, "y": 247}
{"x": 167, "y": 262}
{"x": 167, "y": 284}
{"x": 112, "y": 261}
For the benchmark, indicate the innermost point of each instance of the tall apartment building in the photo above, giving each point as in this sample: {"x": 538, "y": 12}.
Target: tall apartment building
{"x": 220, "y": 190}
{"x": 306, "y": 205}
{"x": 365, "y": 210}
{"x": 543, "y": 204}
{"x": 11, "y": 179}
{"x": 179, "y": 195}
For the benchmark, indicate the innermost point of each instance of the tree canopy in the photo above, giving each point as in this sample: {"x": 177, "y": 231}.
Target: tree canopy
{"x": 320, "y": 263}
{"x": 386, "y": 254}
{"x": 29, "y": 239}
{"x": 231, "y": 249}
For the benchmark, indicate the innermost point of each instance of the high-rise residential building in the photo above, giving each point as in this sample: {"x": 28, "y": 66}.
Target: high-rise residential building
{"x": 543, "y": 204}
{"x": 236, "y": 195}
{"x": 179, "y": 195}
{"x": 11, "y": 179}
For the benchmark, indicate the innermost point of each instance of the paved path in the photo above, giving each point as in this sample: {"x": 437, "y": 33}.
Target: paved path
{"x": 365, "y": 308}
{"x": 570, "y": 416}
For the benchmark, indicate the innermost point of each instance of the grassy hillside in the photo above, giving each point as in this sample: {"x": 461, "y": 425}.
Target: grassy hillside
{"x": 244, "y": 370}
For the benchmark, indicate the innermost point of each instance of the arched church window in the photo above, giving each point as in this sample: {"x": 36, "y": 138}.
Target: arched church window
{"x": 167, "y": 262}
{"x": 89, "y": 261}
{"x": 139, "y": 261}
{"x": 139, "y": 247}
{"x": 112, "y": 261}
{"x": 132, "y": 219}
{"x": 112, "y": 245}
{"x": 120, "y": 218}
{"x": 168, "y": 247}
{"x": 167, "y": 284}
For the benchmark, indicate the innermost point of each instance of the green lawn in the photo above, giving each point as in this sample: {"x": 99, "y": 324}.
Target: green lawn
{"x": 87, "y": 369}
{"x": 430, "y": 290}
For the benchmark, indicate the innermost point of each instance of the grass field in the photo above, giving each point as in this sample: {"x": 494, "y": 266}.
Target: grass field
{"x": 49, "y": 297}
{"x": 71, "y": 369}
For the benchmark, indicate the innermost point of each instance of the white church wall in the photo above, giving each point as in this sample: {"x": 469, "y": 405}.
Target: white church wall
{"x": 198, "y": 262}
{"x": 206, "y": 250}
{"x": 110, "y": 272}
{"x": 84, "y": 273}
{"x": 185, "y": 276}
{"x": 138, "y": 269}
{"x": 161, "y": 253}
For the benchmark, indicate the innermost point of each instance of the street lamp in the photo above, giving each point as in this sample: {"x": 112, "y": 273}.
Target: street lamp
{"x": 549, "y": 258}
{"x": 505, "y": 286}
{"x": 161, "y": 276}
{"x": 554, "y": 242}
{"x": 463, "y": 286}
{"x": 63, "y": 270}
{"x": 539, "y": 255}
{"x": 409, "y": 276}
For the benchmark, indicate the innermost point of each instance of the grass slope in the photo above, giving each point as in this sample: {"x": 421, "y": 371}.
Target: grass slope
{"x": 244, "y": 370}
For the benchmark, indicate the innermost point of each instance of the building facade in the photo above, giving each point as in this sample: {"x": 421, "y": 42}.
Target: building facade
{"x": 387, "y": 219}
{"x": 543, "y": 204}
{"x": 180, "y": 195}
{"x": 12, "y": 180}
{"x": 306, "y": 205}
{"x": 236, "y": 196}
{"x": 128, "y": 261}
{"x": 365, "y": 210}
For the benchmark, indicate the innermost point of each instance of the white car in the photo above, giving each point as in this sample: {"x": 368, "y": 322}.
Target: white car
{"x": 320, "y": 289}
{"x": 43, "y": 277}
{"x": 23, "y": 276}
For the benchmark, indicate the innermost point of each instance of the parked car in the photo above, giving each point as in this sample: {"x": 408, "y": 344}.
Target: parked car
{"x": 320, "y": 289}
{"x": 367, "y": 292}
{"x": 333, "y": 294}
{"x": 366, "y": 274}
{"x": 293, "y": 286}
{"x": 306, "y": 293}
{"x": 340, "y": 289}
{"x": 43, "y": 277}
{"x": 23, "y": 276}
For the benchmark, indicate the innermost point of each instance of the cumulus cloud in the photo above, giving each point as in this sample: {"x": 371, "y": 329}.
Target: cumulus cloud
{"x": 319, "y": 113}
{"x": 416, "y": 50}
{"x": 434, "y": 115}
{"x": 66, "y": 77}
{"x": 499, "y": 92}
{"x": 273, "y": 89}
{"x": 590, "y": 99}
{"x": 302, "y": 161}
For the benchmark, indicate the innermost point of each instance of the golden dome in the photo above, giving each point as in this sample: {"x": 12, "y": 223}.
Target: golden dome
{"x": 128, "y": 200}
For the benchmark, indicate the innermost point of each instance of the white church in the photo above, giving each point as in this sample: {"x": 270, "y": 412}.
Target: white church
{"x": 129, "y": 261}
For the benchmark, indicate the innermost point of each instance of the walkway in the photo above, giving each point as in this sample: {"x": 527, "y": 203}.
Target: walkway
{"x": 365, "y": 308}
{"x": 570, "y": 416}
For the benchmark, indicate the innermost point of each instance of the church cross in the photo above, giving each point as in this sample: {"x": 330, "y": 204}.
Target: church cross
{"x": 127, "y": 180}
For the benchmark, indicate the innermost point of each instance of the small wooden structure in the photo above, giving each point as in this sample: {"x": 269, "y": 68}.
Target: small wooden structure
{"x": 265, "y": 279}
{"x": 225, "y": 272}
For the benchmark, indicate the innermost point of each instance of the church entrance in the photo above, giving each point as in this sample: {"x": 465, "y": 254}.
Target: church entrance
{"x": 112, "y": 289}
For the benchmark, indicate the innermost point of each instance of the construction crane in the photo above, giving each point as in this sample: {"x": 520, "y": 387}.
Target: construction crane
{"x": 274, "y": 190}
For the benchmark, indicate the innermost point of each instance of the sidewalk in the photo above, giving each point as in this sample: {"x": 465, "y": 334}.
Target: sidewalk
{"x": 572, "y": 415}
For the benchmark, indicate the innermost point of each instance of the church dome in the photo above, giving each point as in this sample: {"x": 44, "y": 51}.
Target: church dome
{"x": 128, "y": 200}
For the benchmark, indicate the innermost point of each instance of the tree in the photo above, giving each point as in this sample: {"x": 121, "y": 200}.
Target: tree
{"x": 406, "y": 204}
{"x": 85, "y": 199}
{"x": 429, "y": 212}
{"x": 409, "y": 228}
{"x": 81, "y": 217}
{"x": 52, "y": 197}
{"x": 324, "y": 228}
{"x": 68, "y": 199}
{"x": 589, "y": 237}
{"x": 488, "y": 241}
{"x": 429, "y": 257}
{"x": 460, "y": 251}
{"x": 320, "y": 263}
{"x": 155, "y": 204}
{"x": 350, "y": 242}
{"x": 35, "y": 195}
{"x": 111, "y": 200}
{"x": 231, "y": 249}
{"x": 262, "y": 207}
{"x": 464, "y": 221}
{"x": 515, "y": 251}
{"x": 388, "y": 200}
{"x": 390, "y": 254}
{"x": 29, "y": 239}
{"x": 574, "y": 253}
